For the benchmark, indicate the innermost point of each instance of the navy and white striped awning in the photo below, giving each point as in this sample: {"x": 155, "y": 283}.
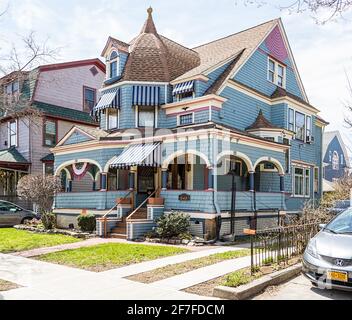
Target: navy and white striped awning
{"x": 109, "y": 99}
{"x": 145, "y": 96}
{"x": 183, "y": 87}
{"x": 146, "y": 154}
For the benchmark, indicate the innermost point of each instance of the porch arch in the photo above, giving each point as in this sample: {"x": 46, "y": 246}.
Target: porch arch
{"x": 274, "y": 161}
{"x": 179, "y": 153}
{"x": 237, "y": 154}
{"x": 68, "y": 163}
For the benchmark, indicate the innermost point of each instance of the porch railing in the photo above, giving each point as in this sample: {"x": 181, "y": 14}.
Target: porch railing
{"x": 105, "y": 216}
{"x": 142, "y": 204}
{"x": 279, "y": 245}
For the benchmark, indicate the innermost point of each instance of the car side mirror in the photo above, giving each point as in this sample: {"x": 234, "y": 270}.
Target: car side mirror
{"x": 322, "y": 226}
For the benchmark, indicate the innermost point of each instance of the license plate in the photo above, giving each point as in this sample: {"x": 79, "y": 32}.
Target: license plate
{"x": 337, "y": 276}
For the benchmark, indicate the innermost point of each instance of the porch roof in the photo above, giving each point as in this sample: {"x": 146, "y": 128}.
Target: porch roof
{"x": 12, "y": 158}
{"x": 146, "y": 154}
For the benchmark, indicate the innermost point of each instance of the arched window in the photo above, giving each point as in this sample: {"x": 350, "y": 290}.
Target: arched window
{"x": 335, "y": 161}
{"x": 114, "y": 64}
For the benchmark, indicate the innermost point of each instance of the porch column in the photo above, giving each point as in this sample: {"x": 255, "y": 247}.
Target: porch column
{"x": 131, "y": 180}
{"x": 210, "y": 178}
{"x": 164, "y": 179}
{"x": 282, "y": 183}
{"x": 251, "y": 181}
{"x": 103, "y": 181}
{"x": 94, "y": 185}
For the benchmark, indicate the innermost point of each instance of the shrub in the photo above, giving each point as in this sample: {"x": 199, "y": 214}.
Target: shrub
{"x": 48, "y": 220}
{"x": 173, "y": 224}
{"x": 238, "y": 278}
{"x": 87, "y": 223}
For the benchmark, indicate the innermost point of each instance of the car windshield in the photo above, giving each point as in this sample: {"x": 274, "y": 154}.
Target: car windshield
{"x": 342, "y": 223}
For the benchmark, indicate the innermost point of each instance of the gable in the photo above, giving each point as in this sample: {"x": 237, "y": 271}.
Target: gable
{"x": 333, "y": 146}
{"x": 253, "y": 72}
{"x": 76, "y": 137}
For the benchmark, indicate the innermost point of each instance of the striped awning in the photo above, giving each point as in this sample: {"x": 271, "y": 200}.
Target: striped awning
{"x": 146, "y": 154}
{"x": 145, "y": 96}
{"x": 183, "y": 87}
{"x": 110, "y": 99}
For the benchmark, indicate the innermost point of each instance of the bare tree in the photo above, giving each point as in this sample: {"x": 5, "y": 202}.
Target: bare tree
{"x": 333, "y": 8}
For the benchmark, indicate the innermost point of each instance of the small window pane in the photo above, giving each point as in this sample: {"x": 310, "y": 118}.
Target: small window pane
{"x": 15, "y": 86}
{"x": 291, "y": 120}
{"x": 113, "y": 69}
{"x": 13, "y": 133}
{"x": 89, "y": 99}
{"x": 186, "y": 119}
{"x": 50, "y": 133}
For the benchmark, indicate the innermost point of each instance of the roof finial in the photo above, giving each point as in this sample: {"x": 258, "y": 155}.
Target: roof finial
{"x": 150, "y": 11}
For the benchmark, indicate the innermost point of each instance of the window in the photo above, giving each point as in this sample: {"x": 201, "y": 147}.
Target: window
{"x": 298, "y": 180}
{"x": 335, "y": 161}
{"x": 185, "y": 95}
{"x": 276, "y": 73}
{"x": 287, "y": 160}
{"x": 113, "y": 115}
{"x": 12, "y": 132}
{"x": 185, "y": 119}
{"x": 300, "y": 126}
{"x": 291, "y": 119}
{"x": 113, "y": 64}
{"x": 146, "y": 117}
{"x": 330, "y": 156}
{"x": 316, "y": 179}
{"x": 301, "y": 182}
{"x": 48, "y": 168}
{"x": 12, "y": 87}
{"x": 89, "y": 99}
{"x": 271, "y": 71}
{"x": 280, "y": 75}
{"x": 50, "y": 131}
{"x": 308, "y": 126}
{"x": 341, "y": 157}
{"x": 307, "y": 183}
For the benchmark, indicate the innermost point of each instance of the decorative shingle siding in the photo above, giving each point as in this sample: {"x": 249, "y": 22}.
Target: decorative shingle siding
{"x": 77, "y": 137}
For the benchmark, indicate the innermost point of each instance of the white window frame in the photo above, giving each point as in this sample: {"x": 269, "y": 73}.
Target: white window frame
{"x": 9, "y": 133}
{"x": 304, "y": 177}
{"x": 137, "y": 117}
{"x": 185, "y": 114}
{"x": 276, "y": 72}
{"x": 117, "y": 120}
{"x": 178, "y": 97}
{"x": 108, "y": 63}
{"x": 316, "y": 178}
{"x": 288, "y": 119}
{"x": 306, "y": 117}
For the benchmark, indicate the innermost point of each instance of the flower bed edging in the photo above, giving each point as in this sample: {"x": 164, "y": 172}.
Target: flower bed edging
{"x": 255, "y": 287}
{"x": 76, "y": 234}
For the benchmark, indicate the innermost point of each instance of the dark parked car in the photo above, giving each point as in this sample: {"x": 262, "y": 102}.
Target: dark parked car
{"x": 11, "y": 214}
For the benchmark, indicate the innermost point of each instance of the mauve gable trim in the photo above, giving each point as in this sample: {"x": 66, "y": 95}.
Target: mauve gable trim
{"x": 73, "y": 64}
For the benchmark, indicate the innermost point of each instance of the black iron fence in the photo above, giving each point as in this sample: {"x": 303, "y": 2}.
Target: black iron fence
{"x": 279, "y": 245}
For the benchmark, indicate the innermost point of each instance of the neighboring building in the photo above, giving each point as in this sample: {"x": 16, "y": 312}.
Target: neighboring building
{"x": 336, "y": 160}
{"x": 236, "y": 104}
{"x": 48, "y": 101}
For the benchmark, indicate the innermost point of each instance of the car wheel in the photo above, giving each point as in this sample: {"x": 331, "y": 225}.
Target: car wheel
{"x": 25, "y": 220}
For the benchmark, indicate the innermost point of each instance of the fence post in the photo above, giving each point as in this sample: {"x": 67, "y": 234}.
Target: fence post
{"x": 252, "y": 255}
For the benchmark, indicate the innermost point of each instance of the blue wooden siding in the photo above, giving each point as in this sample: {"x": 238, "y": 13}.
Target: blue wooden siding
{"x": 77, "y": 137}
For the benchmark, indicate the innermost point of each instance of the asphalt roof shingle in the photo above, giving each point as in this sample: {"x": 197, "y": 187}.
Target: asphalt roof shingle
{"x": 12, "y": 155}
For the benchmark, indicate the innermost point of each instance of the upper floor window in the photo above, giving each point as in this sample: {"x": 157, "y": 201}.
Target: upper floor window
{"x": 335, "y": 161}
{"x": 12, "y": 133}
{"x": 112, "y": 119}
{"x": 146, "y": 116}
{"x": 185, "y": 95}
{"x": 89, "y": 99}
{"x": 276, "y": 73}
{"x": 12, "y": 87}
{"x": 50, "y": 133}
{"x": 291, "y": 119}
{"x": 308, "y": 126}
{"x": 185, "y": 119}
{"x": 113, "y": 64}
{"x": 300, "y": 126}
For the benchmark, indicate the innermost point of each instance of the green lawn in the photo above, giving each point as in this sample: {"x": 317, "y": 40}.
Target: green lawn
{"x": 12, "y": 240}
{"x": 107, "y": 256}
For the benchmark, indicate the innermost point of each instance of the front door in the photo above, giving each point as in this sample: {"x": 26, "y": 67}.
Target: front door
{"x": 145, "y": 183}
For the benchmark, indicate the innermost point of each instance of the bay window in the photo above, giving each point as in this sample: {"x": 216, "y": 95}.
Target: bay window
{"x": 300, "y": 126}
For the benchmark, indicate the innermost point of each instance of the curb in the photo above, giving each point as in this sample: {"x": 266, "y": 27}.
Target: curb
{"x": 249, "y": 290}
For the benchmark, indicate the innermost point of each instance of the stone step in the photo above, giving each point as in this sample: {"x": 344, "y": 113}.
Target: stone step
{"x": 119, "y": 229}
{"x": 118, "y": 235}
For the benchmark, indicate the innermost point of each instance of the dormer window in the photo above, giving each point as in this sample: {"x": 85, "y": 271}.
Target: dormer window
{"x": 276, "y": 73}
{"x": 113, "y": 64}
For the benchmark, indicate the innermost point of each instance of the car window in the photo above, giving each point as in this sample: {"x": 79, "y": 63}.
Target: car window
{"x": 8, "y": 207}
{"x": 342, "y": 223}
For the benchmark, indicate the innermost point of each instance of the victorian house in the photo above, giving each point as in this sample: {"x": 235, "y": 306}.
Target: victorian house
{"x": 224, "y": 128}
{"x": 39, "y": 107}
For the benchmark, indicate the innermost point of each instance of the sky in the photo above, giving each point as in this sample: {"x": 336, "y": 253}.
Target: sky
{"x": 80, "y": 28}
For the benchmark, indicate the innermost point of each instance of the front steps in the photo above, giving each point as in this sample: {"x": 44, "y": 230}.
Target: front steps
{"x": 120, "y": 231}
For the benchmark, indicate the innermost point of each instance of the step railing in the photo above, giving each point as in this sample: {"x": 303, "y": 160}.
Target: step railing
{"x": 142, "y": 204}
{"x": 105, "y": 216}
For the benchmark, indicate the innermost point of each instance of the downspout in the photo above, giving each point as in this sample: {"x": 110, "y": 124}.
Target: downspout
{"x": 215, "y": 192}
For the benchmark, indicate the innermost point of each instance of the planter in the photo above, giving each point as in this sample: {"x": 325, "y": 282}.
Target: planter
{"x": 156, "y": 201}
{"x": 123, "y": 201}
